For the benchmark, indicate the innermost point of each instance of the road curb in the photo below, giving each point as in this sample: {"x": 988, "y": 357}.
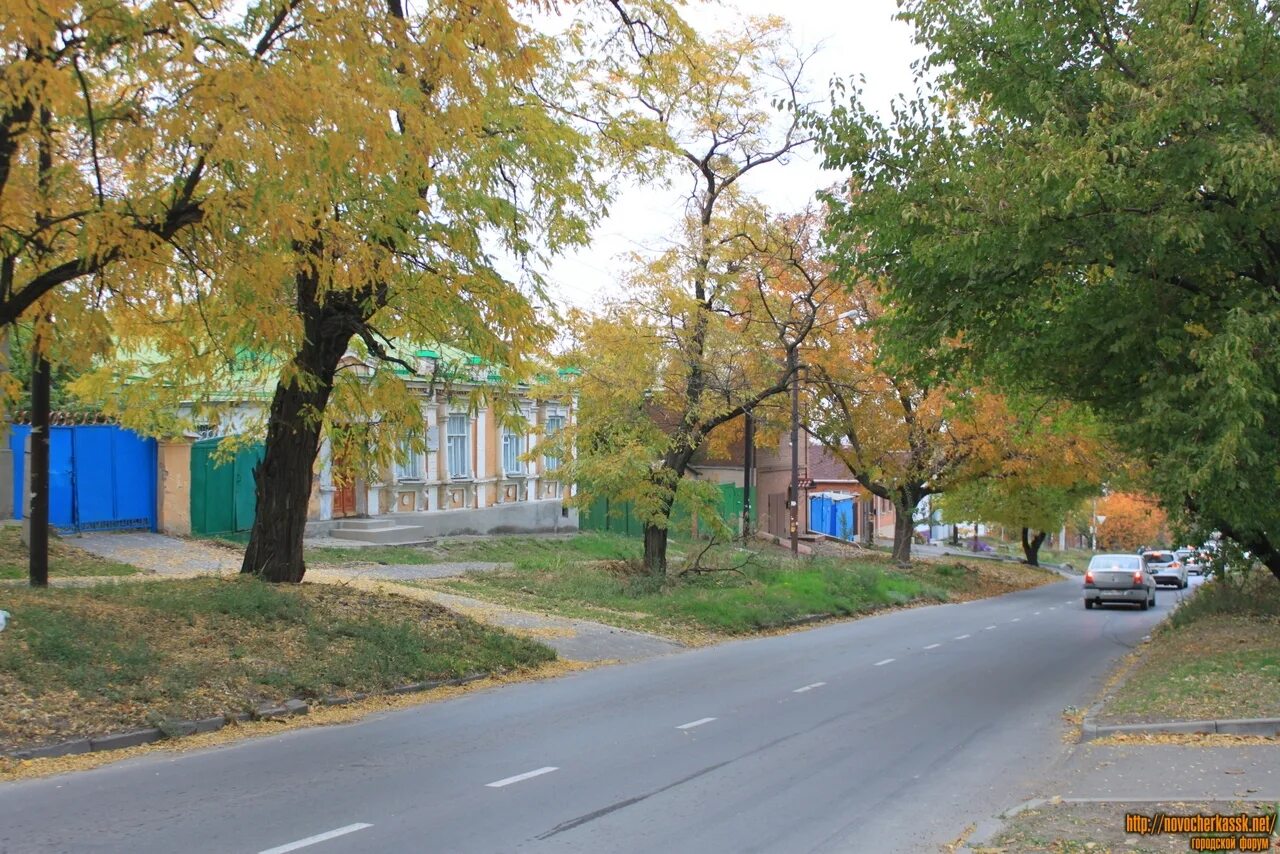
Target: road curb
{"x": 172, "y": 730}
{"x": 1251, "y": 726}
{"x": 986, "y": 829}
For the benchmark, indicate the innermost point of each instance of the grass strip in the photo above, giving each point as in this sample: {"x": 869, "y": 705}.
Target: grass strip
{"x": 80, "y": 661}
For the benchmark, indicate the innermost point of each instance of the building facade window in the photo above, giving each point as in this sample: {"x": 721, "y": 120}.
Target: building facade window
{"x": 410, "y": 464}
{"x": 555, "y": 423}
{"x": 512, "y": 448}
{"x": 458, "y": 443}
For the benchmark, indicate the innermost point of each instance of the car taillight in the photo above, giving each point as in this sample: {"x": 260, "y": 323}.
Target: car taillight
{"x": 1137, "y": 578}
{"x": 1088, "y": 578}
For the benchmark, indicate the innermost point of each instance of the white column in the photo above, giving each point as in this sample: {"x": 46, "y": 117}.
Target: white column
{"x": 532, "y": 468}
{"x": 482, "y": 452}
{"x": 431, "y": 422}
{"x": 326, "y": 480}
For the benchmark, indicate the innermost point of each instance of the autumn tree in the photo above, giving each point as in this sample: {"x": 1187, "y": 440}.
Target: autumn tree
{"x": 699, "y": 106}
{"x": 1053, "y": 460}
{"x": 1130, "y": 520}
{"x": 1086, "y": 193}
{"x": 902, "y": 438}
{"x": 105, "y": 136}
{"x": 639, "y": 425}
{"x": 386, "y": 171}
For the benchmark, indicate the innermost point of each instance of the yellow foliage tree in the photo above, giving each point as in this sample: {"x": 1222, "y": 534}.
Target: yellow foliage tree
{"x": 376, "y": 176}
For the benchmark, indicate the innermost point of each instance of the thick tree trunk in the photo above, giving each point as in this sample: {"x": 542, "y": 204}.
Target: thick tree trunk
{"x": 1031, "y": 546}
{"x": 903, "y": 527}
{"x": 283, "y": 478}
{"x": 655, "y": 549}
{"x": 955, "y": 535}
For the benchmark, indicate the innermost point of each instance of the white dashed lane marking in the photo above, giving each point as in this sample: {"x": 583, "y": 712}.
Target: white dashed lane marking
{"x": 962, "y": 637}
{"x": 883, "y": 663}
{"x": 1016, "y": 620}
{"x": 933, "y": 646}
{"x": 808, "y": 687}
{"x": 507, "y": 781}
{"x": 988, "y": 628}
{"x": 319, "y": 837}
{"x": 698, "y": 722}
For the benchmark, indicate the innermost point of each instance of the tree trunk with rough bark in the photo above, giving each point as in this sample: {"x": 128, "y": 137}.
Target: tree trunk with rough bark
{"x": 903, "y": 528}
{"x": 283, "y": 478}
{"x": 1031, "y": 545}
{"x": 655, "y": 549}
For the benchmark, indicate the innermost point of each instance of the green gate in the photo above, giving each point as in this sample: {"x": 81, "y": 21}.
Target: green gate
{"x": 222, "y": 492}
{"x": 619, "y": 517}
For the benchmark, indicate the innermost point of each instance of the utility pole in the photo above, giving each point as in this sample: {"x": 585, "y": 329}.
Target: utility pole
{"x": 795, "y": 453}
{"x": 748, "y": 463}
{"x": 38, "y": 517}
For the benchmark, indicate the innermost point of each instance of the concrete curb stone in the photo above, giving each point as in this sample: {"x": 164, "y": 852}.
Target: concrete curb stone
{"x": 121, "y": 740}
{"x": 179, "y": 729}
{"x": 1254, "y": 726}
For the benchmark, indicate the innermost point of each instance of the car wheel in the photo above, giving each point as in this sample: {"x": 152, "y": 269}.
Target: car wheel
{"x": 1088, "y": 604}
{"x": 1146, "y": 603}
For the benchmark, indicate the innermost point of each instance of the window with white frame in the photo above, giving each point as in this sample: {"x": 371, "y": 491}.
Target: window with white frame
{"x": 554, "y": 424}
{"x": 458, "y": 445}
{"x": 512, "y": 449}
{"x": 410, "y": 464}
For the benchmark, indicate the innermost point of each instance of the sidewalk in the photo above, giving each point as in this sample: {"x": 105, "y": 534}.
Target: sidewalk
{"x": 1086, "y": 798}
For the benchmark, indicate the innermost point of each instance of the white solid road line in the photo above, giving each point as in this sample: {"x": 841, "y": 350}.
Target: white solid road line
{"x": 808, "y": 687}
{"x": 507, "y": 781}
{"x": 962, "y": 637}
{"x": 319, "y": 837}
{"x": 933, "y": 646}
{"x": 698, "y": 722}
{"x": 883, "y": 663}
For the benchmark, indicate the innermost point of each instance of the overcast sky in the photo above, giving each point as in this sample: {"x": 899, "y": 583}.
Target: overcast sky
{"x": 853, "y": 37}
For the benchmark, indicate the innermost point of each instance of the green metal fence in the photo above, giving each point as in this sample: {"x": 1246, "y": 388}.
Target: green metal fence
{"x": 619, "y": 517}
{"x": 222, "y": 495}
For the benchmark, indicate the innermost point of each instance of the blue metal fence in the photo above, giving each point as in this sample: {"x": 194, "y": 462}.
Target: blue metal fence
{"x": 833, "y": 514}
{"x": 101, "y": 477}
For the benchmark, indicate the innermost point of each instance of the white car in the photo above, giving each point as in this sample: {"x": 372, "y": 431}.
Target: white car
{"x": 1167, "y": 568}
{"x": 1119, "y": 578}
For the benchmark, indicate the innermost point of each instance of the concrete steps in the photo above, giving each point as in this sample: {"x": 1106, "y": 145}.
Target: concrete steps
{"x": 380, "y": 531}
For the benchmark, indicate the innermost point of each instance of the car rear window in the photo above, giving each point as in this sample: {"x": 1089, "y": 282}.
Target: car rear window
{"x": 1129, "y": 562}
{"x": 1159, "y": 557}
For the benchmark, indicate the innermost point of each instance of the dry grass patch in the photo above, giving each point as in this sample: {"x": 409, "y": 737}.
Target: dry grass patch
{"x": 84, "y": 661}
{"x": 64, "y": 560}
{"x": 1218, "y": 658}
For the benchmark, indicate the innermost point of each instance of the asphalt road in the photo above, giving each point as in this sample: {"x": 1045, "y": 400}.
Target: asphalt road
{"x": 884, "y": 734}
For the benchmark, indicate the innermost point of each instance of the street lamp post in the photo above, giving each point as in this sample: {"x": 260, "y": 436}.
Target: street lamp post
{"x": 795, "y": 453}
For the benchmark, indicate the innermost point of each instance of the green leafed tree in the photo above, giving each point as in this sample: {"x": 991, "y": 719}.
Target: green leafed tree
{"x": 1087, "y": 196}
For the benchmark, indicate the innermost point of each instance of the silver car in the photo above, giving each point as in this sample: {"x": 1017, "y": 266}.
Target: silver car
{"x": 1167, "y": 568}
{"x": 1119, "y": 578}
